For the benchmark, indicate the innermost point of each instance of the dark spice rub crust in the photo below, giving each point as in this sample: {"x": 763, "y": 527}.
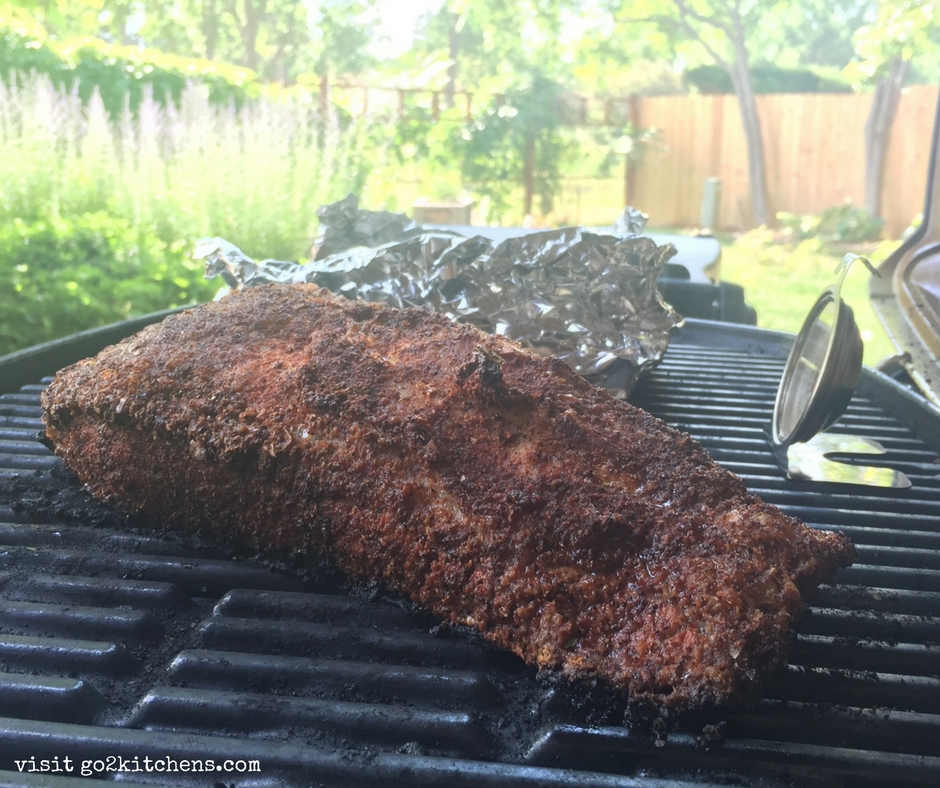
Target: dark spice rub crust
{"x": 494, "y": 487}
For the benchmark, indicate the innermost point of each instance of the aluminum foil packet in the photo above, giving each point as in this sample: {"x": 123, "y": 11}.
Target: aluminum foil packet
{"x": 588, "y": 298}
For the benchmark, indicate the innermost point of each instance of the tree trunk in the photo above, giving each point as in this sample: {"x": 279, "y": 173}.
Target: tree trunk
{"x": 250, "y": 28}
{"x": 210, "y": 28}
{"x": 740, "y": 74}
{"x": 884, "y": 108}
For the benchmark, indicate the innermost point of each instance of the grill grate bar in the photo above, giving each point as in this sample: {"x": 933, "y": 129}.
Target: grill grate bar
{"x": 864, "y": 537}
{"x": 883, "y": 600}
{"x": 93, "y": 622}
{"x": 350, "y": 678}
{"x": 20, "y": 411}
{"x": 821, "y": 515}
{"x": 173, "y": 708}
{"x": 201, "y": 577}
{"x": 25, "y": 398}
{"x": 324, "y": 608}
{"x": 33, "y": 425}
{"x": 51, "y": 698}
{"x": 95, "y": 591}
{"x": 295, "y": 638}
{"x": 570, "y": 746}
{"x": 28, "y": 462}
{"x": 346, "y": 768}
{"x": 835, "y": 651}
{"x": 902, "y": 578}
{"x": 867, "y": 688}
{"x": 63, "y": 655}
{"x": 9, "y": 446}
{"x": 10, "y": 433}
{"x": 864, "y": 624}
{"x": 835, "y": 726}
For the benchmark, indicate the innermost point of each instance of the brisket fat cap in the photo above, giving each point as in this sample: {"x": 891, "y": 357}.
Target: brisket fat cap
{"x": 494, "y": 487}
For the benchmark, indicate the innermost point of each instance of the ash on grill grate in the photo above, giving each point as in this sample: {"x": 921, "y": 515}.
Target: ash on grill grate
{"x": 115, "y": 641}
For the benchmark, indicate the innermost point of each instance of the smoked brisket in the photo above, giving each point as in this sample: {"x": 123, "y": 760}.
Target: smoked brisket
{"x": 492, "y": 486}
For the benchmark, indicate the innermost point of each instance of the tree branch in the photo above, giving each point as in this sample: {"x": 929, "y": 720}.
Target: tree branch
{"x": 685, "y": 12}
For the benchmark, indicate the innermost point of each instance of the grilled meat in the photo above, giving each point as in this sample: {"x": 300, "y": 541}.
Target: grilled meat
{"x": 494, "y": 487}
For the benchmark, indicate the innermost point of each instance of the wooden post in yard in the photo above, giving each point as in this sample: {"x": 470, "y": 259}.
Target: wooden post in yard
{"x": 633, "y": 118}
{"x": 324, "y": 95}
{"x": 528, "y": 176}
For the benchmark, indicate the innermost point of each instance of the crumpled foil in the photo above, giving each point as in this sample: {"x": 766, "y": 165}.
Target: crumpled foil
{"x": 588, "y": 298}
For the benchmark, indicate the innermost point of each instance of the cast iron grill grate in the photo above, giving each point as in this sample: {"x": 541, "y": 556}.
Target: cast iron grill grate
{"x": 123, "y": 643}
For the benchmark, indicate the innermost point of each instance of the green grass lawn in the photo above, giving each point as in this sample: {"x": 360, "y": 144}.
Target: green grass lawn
{"x": 783, "y": 281}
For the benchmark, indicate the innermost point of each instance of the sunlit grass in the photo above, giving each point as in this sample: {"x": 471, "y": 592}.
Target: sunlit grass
{"x": 783, "y": 281}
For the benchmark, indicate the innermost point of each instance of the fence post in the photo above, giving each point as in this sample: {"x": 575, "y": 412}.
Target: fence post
{"x": 528, "y": 176}
{"x": 324, "y": 95}
{"x": 633, "y": 119}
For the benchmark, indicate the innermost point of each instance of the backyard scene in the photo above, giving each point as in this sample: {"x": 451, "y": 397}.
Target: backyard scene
{"x": 130, "y": 130}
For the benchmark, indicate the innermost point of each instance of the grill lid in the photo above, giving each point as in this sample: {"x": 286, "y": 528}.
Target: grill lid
{"x": 119, "y": 642}
{"x": 907, "y": 296}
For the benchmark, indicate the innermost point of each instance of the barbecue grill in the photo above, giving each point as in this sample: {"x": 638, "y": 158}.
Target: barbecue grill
{"x": 117, "y": 642}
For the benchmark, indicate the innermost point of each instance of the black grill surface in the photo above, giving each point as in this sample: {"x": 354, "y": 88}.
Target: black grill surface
{"x": 126, "y": 650}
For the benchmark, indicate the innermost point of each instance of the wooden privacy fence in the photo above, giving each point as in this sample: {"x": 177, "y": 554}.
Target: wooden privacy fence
{"x": 814, "y": 144}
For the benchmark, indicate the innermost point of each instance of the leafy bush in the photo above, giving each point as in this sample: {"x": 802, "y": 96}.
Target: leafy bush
{"x": 486, "y": 156}
{"x": 767, "y": 78}
{"x": 846, "y": 223}
{"x": 98, "y": 220}
{"x": 120, "y": 75}
{"x": 59, "y": 276}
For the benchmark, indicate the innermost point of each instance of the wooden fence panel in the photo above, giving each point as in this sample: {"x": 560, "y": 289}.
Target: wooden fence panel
{"x": 814, "y": 146}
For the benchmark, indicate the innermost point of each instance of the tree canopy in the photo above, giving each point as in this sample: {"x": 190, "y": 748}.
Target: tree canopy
{"x": 493, "y": 50}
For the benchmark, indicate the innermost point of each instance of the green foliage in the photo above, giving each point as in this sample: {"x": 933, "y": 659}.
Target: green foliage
{"x": 22, "y": 51}
{"x": 486, "y": 155}
{"x": 276, "y": 39}
{"x": 492, "y": 148}
{"x": 768, "y": 78}
{"x": 844, "y": 223}
{"x": 485, "y": 45}
{"x": 120, "y": 75}
{"x": 343, "y": 38}
{"x": 98, "y": 220}
{"x": 904, "y": 29}
{"x": 62, "y": 275}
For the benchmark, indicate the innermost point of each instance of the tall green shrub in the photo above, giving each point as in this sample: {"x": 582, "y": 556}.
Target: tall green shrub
{"x": 62, "y": 275}
{"x": 99, "y": 219}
